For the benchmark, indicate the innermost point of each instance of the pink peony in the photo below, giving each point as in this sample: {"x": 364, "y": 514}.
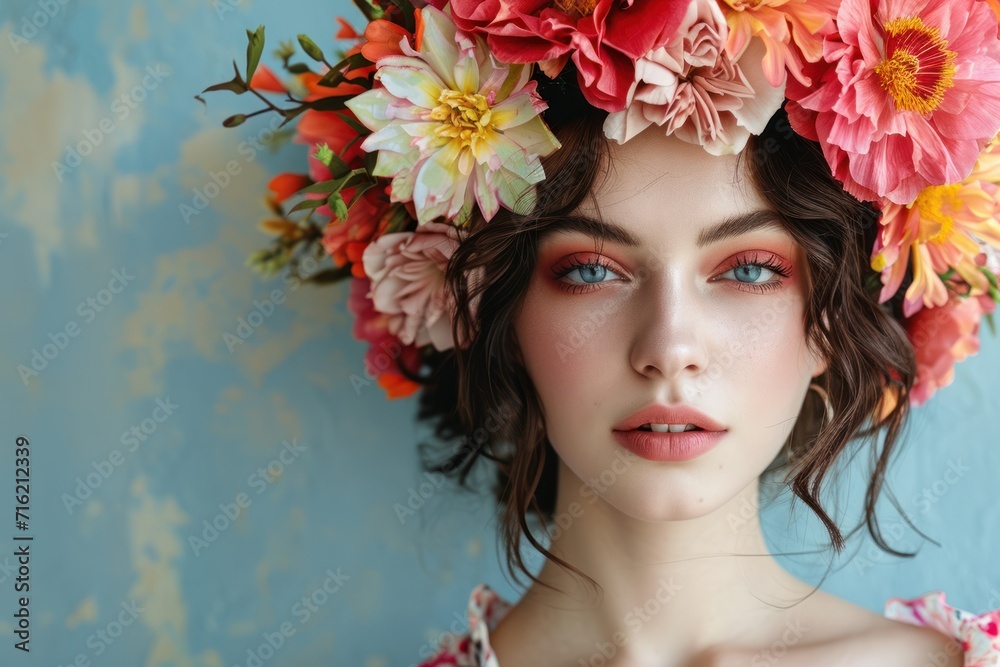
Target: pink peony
{"x": 692, "y": 88}
{"x": 941, "y": 337}
{"x": 386, "y": 355}
{"x": 407, "y": 272}
{"x": 905, "y": 97}
{"x": 603, "y": 37}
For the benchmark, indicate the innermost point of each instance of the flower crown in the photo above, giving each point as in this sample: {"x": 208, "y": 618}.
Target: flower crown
{"x": 434, "y": 111}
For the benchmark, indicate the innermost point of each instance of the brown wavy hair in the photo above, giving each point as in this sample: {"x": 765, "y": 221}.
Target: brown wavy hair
{"x": 483, "y": 404}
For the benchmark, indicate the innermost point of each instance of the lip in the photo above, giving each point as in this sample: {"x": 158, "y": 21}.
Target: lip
{"x": 665, "y": 414}
{"x": 681, "y": 446}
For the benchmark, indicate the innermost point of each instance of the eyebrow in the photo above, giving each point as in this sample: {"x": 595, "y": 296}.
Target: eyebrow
{"x": 734, "y": 225}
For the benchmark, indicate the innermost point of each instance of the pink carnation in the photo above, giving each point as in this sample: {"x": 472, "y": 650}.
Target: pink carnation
{"x": 691, "y": 87}
{"x": 407, "y": 271}
{"x": 905, "y": 97}
{"x": 942, "y": 336}
{"x": 603, "y": 37}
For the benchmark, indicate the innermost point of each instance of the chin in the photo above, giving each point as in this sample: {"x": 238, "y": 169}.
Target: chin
{"x": 667, "y": 502}
{"x": 670, "y": 491}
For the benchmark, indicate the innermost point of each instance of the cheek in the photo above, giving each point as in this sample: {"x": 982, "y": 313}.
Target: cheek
{"x": 761, "y": 350}
{"x": 566, "y": 349}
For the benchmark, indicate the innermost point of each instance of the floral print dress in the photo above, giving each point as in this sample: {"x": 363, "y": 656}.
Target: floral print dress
{"x": 980, "y": 634}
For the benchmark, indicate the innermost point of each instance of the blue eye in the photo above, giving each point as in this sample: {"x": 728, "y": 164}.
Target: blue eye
{"x": 591, "y": 273}
{"x": 756, "y": 274}
{"x": 748, "y": 271}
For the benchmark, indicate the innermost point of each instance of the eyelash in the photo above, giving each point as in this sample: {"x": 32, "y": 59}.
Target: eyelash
{"x": 771, "y": 263}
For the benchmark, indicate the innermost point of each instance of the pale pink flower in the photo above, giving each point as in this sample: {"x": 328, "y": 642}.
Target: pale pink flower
{"x": 453, "y": 127}
{"x": 692, "y": 89}
{"x": 906, "y": 96}
{"x": 407, "y": 271}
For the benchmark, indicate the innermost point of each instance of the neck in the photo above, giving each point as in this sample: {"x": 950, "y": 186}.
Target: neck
{"x": 670, "y": 589}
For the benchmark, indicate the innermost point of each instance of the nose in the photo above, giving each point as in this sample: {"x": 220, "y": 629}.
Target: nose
{"x": 669, "y": 337}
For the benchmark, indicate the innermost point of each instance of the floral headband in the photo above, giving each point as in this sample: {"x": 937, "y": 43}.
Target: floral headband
{"x": 435, "y": 112}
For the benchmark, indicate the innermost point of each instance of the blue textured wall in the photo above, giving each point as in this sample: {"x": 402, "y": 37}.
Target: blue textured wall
{"x": 148, "y": 353}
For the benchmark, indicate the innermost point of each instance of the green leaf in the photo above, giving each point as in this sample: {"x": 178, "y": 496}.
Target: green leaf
{"x": 298, "y": 68}
{"x": 291, "y": 114}
{"x": 267, "y": 262}
{"x": 324, "y": 154}
{"x": 334, "y": 163}
{"x": 255, "y": 47}
{"x": 327, "y": 276}
{"x": 989, "y": 321}
{"x": 370, "y": 10}
{"x": 284, "y": 51}
{"x": 989, "y": 276}
{"x": 370, "y": 160}
{"x": 336, "y": 75}
{"x": 359, "y": 191}
{"x": 234, "y": 120}
{"x": 338, "y": 206}
{"x": 311, "y": 49}
{"x": 354, "y": 124}
{"x": 236, "y": 85}
{"x": 323, "y": 187}
{"x": 307, "y": 205}
{"x": 333, "y": 103}
{"x": 406, "y": 7}
{"x": 334, "y": 184}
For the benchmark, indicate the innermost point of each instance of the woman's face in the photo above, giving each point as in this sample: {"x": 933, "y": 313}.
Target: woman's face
{"x": 687, "y": 317}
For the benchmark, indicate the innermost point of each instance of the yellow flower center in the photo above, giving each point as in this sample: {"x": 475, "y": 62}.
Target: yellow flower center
{"x": 918, "y": 67}
{"x": 465, "y": 117}
{"x": 935, "y": 203}
{"x": 579, "y": 7}
{"x": 741, "y": 5}
{"x": 879, "y": 262}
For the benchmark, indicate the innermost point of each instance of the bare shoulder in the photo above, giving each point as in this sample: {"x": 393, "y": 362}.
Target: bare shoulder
{"x": 926, "y": 645}
{"x": 838, "y": 633}
{"x": 873, "y": 639}
{"x": 896, "y": 647}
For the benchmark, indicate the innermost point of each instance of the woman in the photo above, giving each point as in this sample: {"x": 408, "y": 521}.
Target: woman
{"x": 698, "y": 299}
{"x": 635, "y": 243}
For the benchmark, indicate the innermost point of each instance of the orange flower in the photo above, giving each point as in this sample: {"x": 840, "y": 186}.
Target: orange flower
{"x": 285, "y": 185}
{"x": 939, "y": 231}
{"x": 346, "y": 31}
{"x": 397, "y": 386}
{"x": 345, "y": 241}
{"x": 382, "y": 39}
{"x": 264, "y": 79}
